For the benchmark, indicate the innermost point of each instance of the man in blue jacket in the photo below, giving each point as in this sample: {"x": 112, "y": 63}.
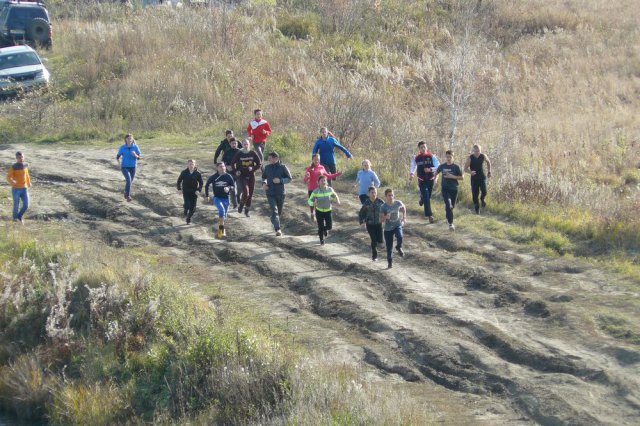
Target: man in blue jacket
{"x": 130, "y": 154}
{"x": 325, "y": 146}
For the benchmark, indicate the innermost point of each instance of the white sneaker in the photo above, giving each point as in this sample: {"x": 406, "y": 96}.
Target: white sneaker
{"x": 278, "y": 233}
{"x": 452, "y": 227}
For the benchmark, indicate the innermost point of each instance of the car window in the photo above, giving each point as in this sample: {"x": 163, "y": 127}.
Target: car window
{"x": 20, "y": 16}
{"x": 3, "y": 14}
{"x": 21, "y": 59}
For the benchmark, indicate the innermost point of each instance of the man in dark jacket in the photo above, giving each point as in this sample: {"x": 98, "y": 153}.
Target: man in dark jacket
{"x": 370, "y": 217}
{"x": 274, "y": 177}
{"x": 227, "y": 159}
{"x": 190, "y": 182}
{"x": 224, "y": 146}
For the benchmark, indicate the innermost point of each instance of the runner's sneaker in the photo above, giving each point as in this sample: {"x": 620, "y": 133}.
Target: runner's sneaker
{"x": 240, "y": 206}
{"x": 246, "y": 212}
{"x": 188, "y": 220}
{"x": 321, "y": 242}
{"x": 452, "y": 227}
{"x": 421, "y": 202}
{"x": 431, "y": 219}
{"x": 326, "y": 232}
{"x": 128, "y": 198}
{"x": 278, "y": 233}
{"x": 400, "y": 251}
{"x": 374, "y": 258}
{"x": 483, "y": 203}
{"x": 389, "y": 265}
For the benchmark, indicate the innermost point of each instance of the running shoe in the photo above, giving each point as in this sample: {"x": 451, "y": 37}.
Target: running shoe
{"x": 128, "y": 198}
{"x": 400, "y": 251}
{"x": 483, "y": 204}
{"x": 374, "y": 259}
{"x": 240, "y": 206}
{"x": 326, "y": 232}
{"x": 188, "y": 220}
{"x": 452, "y": 227}
{"x": 278, "y": 233}
{"x": 246, "y": 212}
{"x": 389, "y": 266}
{"x": 219, "y": 234}
{"x": 321, "y": 242}
{"x": 431, "y": 219}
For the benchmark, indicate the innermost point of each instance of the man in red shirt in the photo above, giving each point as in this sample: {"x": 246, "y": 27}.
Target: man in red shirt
{"x": 259, "y": 130}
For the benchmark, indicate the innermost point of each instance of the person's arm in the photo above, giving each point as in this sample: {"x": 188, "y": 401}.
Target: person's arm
{"x": 199, "y": 178}
{"x": 488, "y": 165}
{"x": 27, "y": 178}
{"x": 118, "y": 155}
{"x": 436, "y": 173}
{"x": 435, "y": 161}
{"x": 311, "y": 201}
{"x": 256, "y": 160}
{"x": 218, "y": 152}
{"x": 206, "y": 186}
{"x": 412, "y": 168}
{"x": 362, "y": 214}
{"x": 403, "y": 209}
{"x": 467, "y": 165}
{"x": 10, "y": 176}
{"x": 249, "y": 131}
{"x": 287, "y": 176}
{"x": 136, "y": 152}
{"x": 266, "y": 129}
{"x": 316, "y": 148}
{"x": 336, "y": 194}
{"x": 180, "y": 178}
{"x": 342, "y": 148}
{"x": 376, "y": 180}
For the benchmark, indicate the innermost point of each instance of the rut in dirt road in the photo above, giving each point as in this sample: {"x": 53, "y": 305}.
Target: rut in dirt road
{"x": 472, "y": 319}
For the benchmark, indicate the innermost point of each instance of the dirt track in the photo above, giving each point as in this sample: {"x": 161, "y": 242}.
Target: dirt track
{"x": 479, "y": 329}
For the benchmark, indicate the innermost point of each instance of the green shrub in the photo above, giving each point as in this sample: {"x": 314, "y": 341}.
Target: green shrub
{"x": 298, "y": 26}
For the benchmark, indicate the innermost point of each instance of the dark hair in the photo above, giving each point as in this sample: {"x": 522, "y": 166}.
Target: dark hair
{"x": 221, "y": 163}
{"x": 387, "y": 191}
{"x": 372, "y": 187}
{"x": 255, "y": 111}
{"x": 321, "y": 177}
{"x": 128, "y": 135}
{"x": 19, "y": 154}
{"x": 314, "y": 156}
{"x": 274, "y": 154}
{"x": 421, "y": 143}
{"x": 449, "y": 152}
{"x": 228, "y": 132}
{"x": 233, "y": 139}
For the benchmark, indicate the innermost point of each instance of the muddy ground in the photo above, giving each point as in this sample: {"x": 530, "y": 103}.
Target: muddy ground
{"x": 481, "y": 330}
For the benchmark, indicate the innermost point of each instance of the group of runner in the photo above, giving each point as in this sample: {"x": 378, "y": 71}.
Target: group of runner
{"x": 233, "y": 183}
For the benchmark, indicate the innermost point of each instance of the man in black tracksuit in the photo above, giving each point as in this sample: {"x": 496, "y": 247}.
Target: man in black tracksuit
{"x": 274, "y": 176}
{"x": 370, "y": 217}
{"x": 224, "y": 146}
{"x": 227, "y": 159}
{"x": 190, "y": 182}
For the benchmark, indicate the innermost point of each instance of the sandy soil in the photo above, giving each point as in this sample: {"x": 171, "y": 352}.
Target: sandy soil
{"x": 480, "y": 330}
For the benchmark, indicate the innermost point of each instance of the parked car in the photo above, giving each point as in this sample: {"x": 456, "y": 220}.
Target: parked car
{"x": 21, "y": 70}
{"x": 24, "y": 22}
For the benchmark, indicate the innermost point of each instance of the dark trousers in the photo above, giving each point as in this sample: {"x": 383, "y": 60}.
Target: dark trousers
{"x": 388, "y": 240}
{"x": 331, "y": 168}
{"x": 324, "y": 223}
{"x": 247, "y": 182}
{"x": 426, "y": 188}
{"x": 259, "y": 149}
{"x": 449, "y": 196}
{"x": 190, "y": 202}
{"x": 375, "y": 233}
{"x": 129, "y": 174}
{"x": 478, "y": 187}
{"x": 363, "y": 198}
{"x": 276, "y": 202}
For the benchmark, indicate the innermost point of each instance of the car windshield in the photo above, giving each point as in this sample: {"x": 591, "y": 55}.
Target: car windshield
{"x": 21, "y": 59}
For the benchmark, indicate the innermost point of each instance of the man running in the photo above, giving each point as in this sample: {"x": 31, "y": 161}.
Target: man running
{"x": 224, "y": 145}
{"x": 190, "y": 182}
{"x": 312, "y": 173}
{"x": 321, "y": 199}
{"x": 130, "y": 154}
{"x": 274, "y": 177}
{"x": 221, "y": 183}
{"x": 325, "y": 146}
{"x": 451, "y": 174}
{"x": 227, "y": 159}
{"x": 370, "y": 217}
{"x": 393, "y": 214}
{"x": 259, "y": 130}
{"x": 245, "y": 164}
{"x": 20, "y": 181}
{"x": 473, "y": 166}
{"x": 424, "y": 165}
{"x": 365, "y": 179}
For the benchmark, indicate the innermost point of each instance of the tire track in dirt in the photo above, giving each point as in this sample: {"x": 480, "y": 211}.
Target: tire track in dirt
{"x": 417, "y": 315}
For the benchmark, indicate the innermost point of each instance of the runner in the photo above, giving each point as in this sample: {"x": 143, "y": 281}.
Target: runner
{"x": 221, "y": 183}
{"x": 190, "y": 182}
{"x": 393, "y": 222}
{"x": 245, "y": 164}
{"x": 424, "y": 165}
{"x": 274, "y": 177}
{"x": 259, "y": 130}
{"x": 224, "y": 145}
{"x": 311, "y": 176}
{"x": 325, "y": 146}
{"x": 473, "y": 166}
{"x": 370, "y": 217}
{"x": 320, "y": 198}
{"x": 227, "y": 159}
{"x": 366, "y": 178}
{"x": 130, "y": 154}
{"x": 18, "y": 177}
{"x": 451, "y": 174}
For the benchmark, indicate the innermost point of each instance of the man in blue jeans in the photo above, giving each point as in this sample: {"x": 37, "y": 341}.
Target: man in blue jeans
{"x": 424, "y": 166}
{"x": 274, "y": 177}
{"x": 130, "y": 154}
{"x": 18, "y": 177}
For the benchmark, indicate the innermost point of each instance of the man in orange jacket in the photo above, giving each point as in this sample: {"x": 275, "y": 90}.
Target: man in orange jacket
{"x": 20, "y": 181}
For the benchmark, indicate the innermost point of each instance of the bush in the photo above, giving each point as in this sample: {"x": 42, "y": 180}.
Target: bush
{"x": 298, "y": 27}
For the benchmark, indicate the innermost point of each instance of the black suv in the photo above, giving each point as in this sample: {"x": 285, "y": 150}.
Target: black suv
{"x": 23, "y": 22}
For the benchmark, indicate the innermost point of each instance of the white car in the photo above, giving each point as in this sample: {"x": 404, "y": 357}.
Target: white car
{"x": 21, "y": 70}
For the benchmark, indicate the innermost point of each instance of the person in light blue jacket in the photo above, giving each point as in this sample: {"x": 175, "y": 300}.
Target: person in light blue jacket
{"x": 365, "y": 179}
{"x": 325, "y": 146}
{"x": 130, "y": 154}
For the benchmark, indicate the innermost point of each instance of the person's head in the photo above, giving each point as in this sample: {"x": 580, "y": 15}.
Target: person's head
{"x": 389, "y": 195}
{"x": 257, "y": 114}
{"x": 422, "y": 147}
{"x": 274, "y": 157}
{"x": 449, "y": 156}
{"x": 324, "y": 132}
{"x": 373, "y": 193}
{"x": 222, "y": 168}
{"x": 19, "y": 157}
{"x": 228, "y": 134}
{"x": 476, "y": 150}
{"x": 191, "y": 164}
{"x": 315, "y": 160}
{"x": 129, "y": 140}
{"x": 246, "y": 145}
{"x": 366, "y": 165}
{"x": 322, "y": 181}
{"x": 233, "y": 142}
